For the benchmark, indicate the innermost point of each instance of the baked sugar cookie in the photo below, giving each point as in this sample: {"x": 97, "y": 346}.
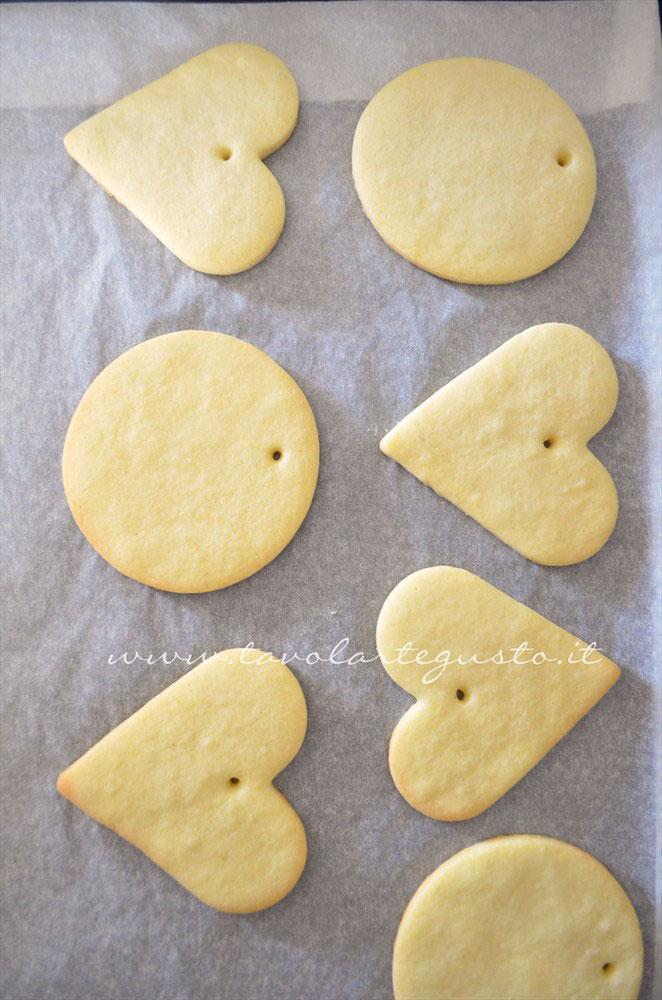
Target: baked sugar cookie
{"x": 474, "y": 170}
{"x": 496, "y": 687}
{"x": 505, "y": 442}
{"x": 191, "y": 461}
{"x": 519, "y": 918}
{"x": 184, "y": 154}
{"x": 188, "y": 780}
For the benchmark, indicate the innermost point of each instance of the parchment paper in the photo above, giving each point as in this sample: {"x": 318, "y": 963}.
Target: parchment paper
{"x": 367, "y": 336}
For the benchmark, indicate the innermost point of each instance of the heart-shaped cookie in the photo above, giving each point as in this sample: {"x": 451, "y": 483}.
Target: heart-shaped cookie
{"x": 497, "y": 686}
{"x": 184, "y": 154}
{"x": 188, "y": 780}
{"x": 505, "y": 442}
{"x": 519, "y": 918}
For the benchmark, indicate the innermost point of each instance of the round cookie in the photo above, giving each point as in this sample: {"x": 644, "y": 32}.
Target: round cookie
{"x": 514, "y": 917}
{"x": 474, "y": 170}
{"x": 191, "y": 461}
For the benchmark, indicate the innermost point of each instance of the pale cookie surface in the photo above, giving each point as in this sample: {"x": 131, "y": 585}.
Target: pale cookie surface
{"x": 506, "y": 440}
{"x": 188, "y": 780}
{"x": 484, "y": 714}
{"x": 474, "y": 170}
{"x": 184, "y": 154}
{"x": 519, "y": 918}
{"x": 191, "y": 461}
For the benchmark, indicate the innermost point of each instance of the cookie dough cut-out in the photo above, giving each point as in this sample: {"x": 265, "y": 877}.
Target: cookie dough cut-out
{"x": 191, "y": 461}
{"x": 474, "y": 170}
{"x": 188, "y": 780}
{"x": 506, "y": 440}
{"x": 519, "y": 917}
{"x": 484, "y": 714}
{"x": 184, "y": 155}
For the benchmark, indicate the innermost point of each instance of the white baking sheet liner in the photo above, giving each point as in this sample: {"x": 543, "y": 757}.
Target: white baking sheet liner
{"x": 367, "y": 336}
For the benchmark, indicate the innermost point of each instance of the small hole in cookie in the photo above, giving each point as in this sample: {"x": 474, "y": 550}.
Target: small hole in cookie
{"x": 607, "y": 968}
{"x": 277, "y": 455}
{"x": 563, "y": 158}
{"x": 459, "y": 694}
{"x": 234, "y": 781}
{"x": 224, "y": 152}
{"x": 547, "y": 443}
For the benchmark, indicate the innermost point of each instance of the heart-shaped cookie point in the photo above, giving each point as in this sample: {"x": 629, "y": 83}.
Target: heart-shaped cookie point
{"x": 497, "y": 686}
{"x": 184, "y": 155}
{"x": 506, "y": 442}
{"x": 188, "y": 780}
{"x": 515, "y": 917}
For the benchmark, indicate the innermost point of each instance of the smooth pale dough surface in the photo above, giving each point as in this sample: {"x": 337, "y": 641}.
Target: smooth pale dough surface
{"x": 474, "y": 170}
{"x": 519, "y": 918}
{"x": 184, "y": 154}
{"x": 453, "y": 756}
{"x": 163, "y": 780}
{"x": 480, "y": 442}
{"x": 169, "y": 467}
